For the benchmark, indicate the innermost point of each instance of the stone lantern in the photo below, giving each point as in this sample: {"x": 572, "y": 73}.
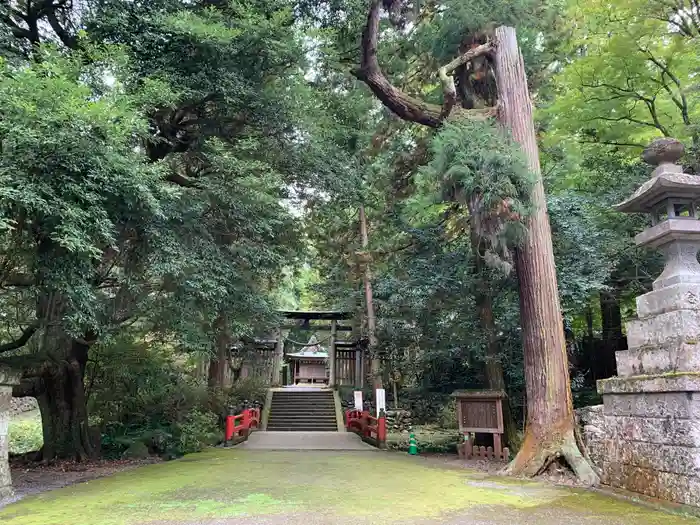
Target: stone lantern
{"x": 8, "y": 378}
{"x": 652, "y": 408}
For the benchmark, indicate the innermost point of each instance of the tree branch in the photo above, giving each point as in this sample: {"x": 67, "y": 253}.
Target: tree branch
{"x": 181, "y": 180}
{"x": 406, "y": 107}
{"x": 448, "y": 82}
{"x": 22, "y": 339}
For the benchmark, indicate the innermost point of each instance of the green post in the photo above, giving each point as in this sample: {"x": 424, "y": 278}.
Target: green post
{"x": 412, "y": 446}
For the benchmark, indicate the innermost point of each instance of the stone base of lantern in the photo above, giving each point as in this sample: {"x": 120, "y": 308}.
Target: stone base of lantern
{"x": 7, "y": 379}
{"x": 678, "y": 325}
{"x": 652, "y": 435}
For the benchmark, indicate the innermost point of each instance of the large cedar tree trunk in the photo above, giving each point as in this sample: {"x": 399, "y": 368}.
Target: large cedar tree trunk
{"x": 550, "y": 431}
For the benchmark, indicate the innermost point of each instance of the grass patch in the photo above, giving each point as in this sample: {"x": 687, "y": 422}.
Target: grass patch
{"x": 25, "y": 433}
{"x": 226, "y": 484}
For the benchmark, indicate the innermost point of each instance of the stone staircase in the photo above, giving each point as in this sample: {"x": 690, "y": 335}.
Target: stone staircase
{"x": 302, "y": 411}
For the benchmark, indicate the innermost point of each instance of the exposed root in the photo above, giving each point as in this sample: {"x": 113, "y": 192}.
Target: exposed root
{"x": 535, "y": 457}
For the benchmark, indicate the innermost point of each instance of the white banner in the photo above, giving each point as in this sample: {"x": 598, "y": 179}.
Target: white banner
{"x": 358, "y": 400}
{"x": 380, "y": 398}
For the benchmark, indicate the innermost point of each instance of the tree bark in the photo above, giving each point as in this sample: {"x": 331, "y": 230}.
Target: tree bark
{"x": 58, "y": 385}
{"x": 64, "y": 414}
{"x": 218, "y": 363}
{"x": 550, "y": 431}
{"x": 376, "y": 365}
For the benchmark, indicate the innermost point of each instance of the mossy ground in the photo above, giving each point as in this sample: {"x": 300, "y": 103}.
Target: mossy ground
{"x": 372, "y": 486}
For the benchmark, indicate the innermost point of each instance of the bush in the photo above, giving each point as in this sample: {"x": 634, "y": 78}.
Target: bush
{"x": 429, "y": 439}
{"x": 198, "y": 431}
{"x": 426, "y": 407}
{"x": 447, "y": 418}
{"x": 26, "y": 434}
{"x": 243, "y": 393}
{"x": 139, "y": 394}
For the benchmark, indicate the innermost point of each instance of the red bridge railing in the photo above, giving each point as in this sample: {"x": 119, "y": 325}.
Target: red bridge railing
{"x": 371, "y": 429}
{"x": 239, "y": 426}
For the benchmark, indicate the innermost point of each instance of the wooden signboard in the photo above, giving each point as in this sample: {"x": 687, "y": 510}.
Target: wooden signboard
{"x": 481, "y": 412}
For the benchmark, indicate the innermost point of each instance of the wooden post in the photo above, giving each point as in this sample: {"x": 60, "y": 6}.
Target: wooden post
{"x": 381, "y": 430}
{"x": 331, "y": 353}
{"x": 277, "y": 360}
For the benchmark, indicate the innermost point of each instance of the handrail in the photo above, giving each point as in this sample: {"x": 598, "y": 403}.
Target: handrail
{"x": 239, "y": 426}
{"x": 371, "y": 429}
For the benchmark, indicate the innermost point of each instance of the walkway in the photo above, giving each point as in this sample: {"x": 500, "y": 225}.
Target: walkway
{"x": 240, "y": 486}
{"x": 305, "y": 441}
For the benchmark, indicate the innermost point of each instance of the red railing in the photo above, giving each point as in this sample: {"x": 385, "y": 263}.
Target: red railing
{"x": 371, "y": 429}
{"x": 239, "y": 426}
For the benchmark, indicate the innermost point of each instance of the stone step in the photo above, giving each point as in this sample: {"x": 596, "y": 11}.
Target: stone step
{"x": 302, "y": 412}
{"x": 292, "y": 408}
{"x": 311, "y": 428}
{"x": 315, "y": 413}
{"x": 305, "y": 417}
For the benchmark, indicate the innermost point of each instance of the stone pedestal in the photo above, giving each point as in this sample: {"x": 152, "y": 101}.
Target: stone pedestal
{"x": 651, "y": 441}
{"x": 8, "y": 378}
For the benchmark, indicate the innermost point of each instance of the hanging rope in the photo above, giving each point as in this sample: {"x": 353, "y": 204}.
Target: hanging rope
{"x": 297, "y": 343}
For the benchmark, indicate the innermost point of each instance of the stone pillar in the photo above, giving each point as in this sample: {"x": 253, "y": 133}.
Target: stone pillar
{"x": 652, "y": 409}
{"x": 8, "y": 378}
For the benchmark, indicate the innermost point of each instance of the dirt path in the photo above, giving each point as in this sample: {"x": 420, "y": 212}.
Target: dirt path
{"x": 245, "y": 487}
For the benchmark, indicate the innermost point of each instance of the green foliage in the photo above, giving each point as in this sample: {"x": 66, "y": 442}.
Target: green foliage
{"x": 429, "y": 438}
{"x": 25, "y": 434}
{"x": 197, "y": 431}
{"x": 475, "y": 165}
{"x": 630, "y": 76}
{"x": 139, "y": 393}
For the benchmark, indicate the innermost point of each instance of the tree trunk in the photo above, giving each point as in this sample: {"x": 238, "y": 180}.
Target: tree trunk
{"x": 218, "y": 363}
{"x": 64, "y": 414}
{"x": 494, "y": 368}
{"x": 492, "y": 360}
{"x": 376, "y": 366}
{"x": 550, "y": 431}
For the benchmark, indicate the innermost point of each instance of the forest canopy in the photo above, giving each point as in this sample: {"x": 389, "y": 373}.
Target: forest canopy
{"x": 175, "y": 172}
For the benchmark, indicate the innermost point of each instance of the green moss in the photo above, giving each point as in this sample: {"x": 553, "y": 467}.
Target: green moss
{"x": 392, "y": 488}
{"x": 602, "y": 506}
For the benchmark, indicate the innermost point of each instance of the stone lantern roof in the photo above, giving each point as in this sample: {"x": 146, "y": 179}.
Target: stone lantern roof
{"x": 668, "y": 180}
{"x": 673, "y": 199}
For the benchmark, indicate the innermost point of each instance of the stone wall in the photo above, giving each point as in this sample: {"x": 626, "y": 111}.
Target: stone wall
{"x": 7, "y": 379}
{"x": 652, "y": 427}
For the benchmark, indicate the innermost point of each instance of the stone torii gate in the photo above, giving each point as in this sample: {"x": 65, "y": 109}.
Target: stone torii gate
{"x": 8, "y": 378}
